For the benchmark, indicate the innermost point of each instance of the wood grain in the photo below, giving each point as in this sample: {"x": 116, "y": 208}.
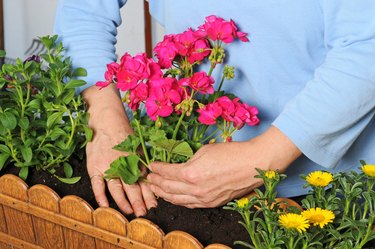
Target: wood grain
{"x": 145, "y": 231}
{"x": 180, "y": 239}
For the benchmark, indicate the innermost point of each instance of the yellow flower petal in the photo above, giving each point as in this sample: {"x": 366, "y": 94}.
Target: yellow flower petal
{"x": 243, "y": 202}
{"x": 369, "y": 170}
{"x": 294, "y": 221}
{"x": 270, "y": 174}
{"x": 319, "y": 217}
{"x": 319, "y": 178}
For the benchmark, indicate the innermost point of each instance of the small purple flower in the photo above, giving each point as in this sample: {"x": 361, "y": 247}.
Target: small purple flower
{"x": 34, "y": 57}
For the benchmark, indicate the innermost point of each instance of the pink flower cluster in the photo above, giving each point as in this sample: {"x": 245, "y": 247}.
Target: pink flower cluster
{"x": 144, "y": 80}
{"x": 232, "y": 111}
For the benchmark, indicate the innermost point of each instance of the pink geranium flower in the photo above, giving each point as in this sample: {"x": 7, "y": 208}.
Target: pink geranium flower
{"x": 209, "y": 113}
{"x": 162, "y": 97}
{"x": 138, "y": 95}
{"x": 217, "y": 28}
{"x": 166, "y": 51}
{"x": 200, "y": 82}
{"x": 109, "y": 75}
{"x": 228, "y": 108}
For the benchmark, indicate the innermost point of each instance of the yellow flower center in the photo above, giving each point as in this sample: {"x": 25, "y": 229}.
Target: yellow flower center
{"x": 319, "y": 178}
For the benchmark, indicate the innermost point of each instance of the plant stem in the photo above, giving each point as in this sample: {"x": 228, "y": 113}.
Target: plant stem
{"x": 178, "y": 125}
{"x": 142, "y": 142}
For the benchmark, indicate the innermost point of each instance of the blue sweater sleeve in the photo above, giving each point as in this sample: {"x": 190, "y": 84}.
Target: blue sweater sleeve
{"x": 327, "y": 116}
{"x": 88, "y": 31}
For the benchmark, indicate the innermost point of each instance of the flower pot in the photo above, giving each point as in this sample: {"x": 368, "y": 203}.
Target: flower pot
{"x": 37, "y": 217}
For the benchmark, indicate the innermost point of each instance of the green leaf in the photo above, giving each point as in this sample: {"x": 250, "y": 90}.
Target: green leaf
{"x": 56, "y": 133}
{"x": 130, "y": 144}
{"x": 4, "y": 149}
{"x": 8, "y": 120}
{"x": 183, "y": 149}
{"x": 24, "y": 123}
{"x": 68, "y": 170}
{"x": 27, "y": 153}
{"x": 71, "y": 180}
{"x": 53, "y": 119}
{"x": 68, "y": 96}
{"x": 3, "y": 159}
{"x": 363, "y": 163}
{"x": 79, "y": 72}
{"x": 2, "y": 53}
{"x": 75, "y": 83}
{"x": 24, "y": 172}
{"x": 125, "y": 168}
{"x": 175, "y": 147}
{"x": 34, "y": 104}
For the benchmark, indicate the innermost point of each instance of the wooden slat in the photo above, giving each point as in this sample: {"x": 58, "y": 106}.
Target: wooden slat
{"x": 4, "y": 246}
{"x": 78, "y": 209}
{"x": 3, "y": 225}
{"x": 148, "y": 29}
{"x": 217, "y": 246}
{"x": 180, "y": 239}
{"x": 19, "y": 224}
{"x": 48, "y": 234}
{"x": 17, "y": 242}
{"x": 145, "y": 231}
{"x": 112, "y": 221}
{"x": 72, "y": 224}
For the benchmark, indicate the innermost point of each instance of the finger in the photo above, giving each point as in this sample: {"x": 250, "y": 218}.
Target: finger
{"x": 181, "y": 200}
{"x": 134, "y": 194}
{"x": 117, "y": 192}
{"x": 170, "y": 186}
{"x": 148, "y": 196}
{"x": 169, "y": 171}
{"x": 98, "y": 187}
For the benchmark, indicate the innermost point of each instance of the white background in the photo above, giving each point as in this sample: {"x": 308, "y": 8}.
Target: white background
{"x": 25, "y": 20}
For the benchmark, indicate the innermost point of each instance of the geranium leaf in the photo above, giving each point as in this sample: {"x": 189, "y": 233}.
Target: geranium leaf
{"x": 130, "y": 144}
{"x": 184, "y": 149}
{"x": 4, "y": 149}
{"x": 125, "y": 168}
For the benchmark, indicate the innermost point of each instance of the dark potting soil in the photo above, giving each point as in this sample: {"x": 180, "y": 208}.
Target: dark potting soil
{"x": 214, "y": 225}
{"x": 209, "y": 226}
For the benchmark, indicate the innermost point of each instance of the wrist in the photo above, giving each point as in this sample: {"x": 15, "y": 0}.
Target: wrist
{"x": 276, "y": 150}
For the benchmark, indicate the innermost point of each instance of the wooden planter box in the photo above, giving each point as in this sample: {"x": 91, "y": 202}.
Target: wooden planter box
{"x": 36, "y": 218}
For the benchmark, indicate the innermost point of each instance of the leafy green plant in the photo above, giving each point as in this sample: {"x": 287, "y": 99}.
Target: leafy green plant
{"x": 338, "y": 212}
{"x": 42, "y": 120}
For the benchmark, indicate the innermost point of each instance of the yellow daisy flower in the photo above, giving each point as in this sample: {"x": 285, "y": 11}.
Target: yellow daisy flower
{"x": 319, "y": 217}
{"x": 243, "y": 202}
{"x": 294, "y": 221}
{"x": 319, "y": 178}
{"x": 369, "y": 169}
{"x": 270, "y": 174}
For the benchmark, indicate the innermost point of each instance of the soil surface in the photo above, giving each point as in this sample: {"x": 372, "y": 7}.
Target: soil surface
{"x": 209, "y": 226}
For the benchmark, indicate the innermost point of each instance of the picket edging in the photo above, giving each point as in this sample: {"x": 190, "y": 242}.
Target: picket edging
{"x": 37, "y": 218}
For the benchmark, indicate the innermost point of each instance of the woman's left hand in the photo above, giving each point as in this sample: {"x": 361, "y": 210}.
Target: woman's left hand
{"x": 220, "y": 172}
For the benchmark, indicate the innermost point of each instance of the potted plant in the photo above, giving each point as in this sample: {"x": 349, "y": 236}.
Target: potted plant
{"x": 42, "y": 120}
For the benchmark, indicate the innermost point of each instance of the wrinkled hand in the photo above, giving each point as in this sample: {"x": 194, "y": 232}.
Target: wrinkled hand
{"x": 110, "y": 125}
{"x": 220, "y": 172}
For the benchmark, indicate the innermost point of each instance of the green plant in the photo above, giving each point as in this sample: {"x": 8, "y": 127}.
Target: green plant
{"x": 42, "y": 120}
{"x": 338, "y": 212}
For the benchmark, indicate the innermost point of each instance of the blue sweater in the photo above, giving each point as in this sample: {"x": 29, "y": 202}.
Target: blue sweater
{"x": 309, "y": 68}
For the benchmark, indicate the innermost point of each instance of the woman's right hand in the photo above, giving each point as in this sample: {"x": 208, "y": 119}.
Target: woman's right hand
{"x": 111, "y": 126}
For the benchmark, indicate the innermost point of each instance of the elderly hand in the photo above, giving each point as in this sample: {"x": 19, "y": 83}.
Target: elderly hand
{"x": 111, "y": 126}
{"x": 220, "y": 172}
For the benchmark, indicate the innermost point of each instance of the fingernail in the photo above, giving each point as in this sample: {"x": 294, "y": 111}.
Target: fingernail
{"x": 152, "y": 205}
{"x": 141, "y": 212}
